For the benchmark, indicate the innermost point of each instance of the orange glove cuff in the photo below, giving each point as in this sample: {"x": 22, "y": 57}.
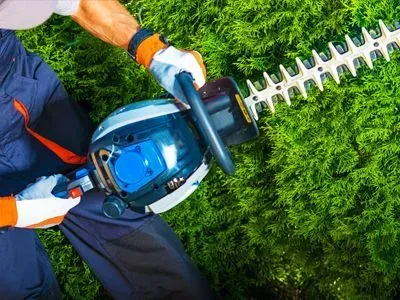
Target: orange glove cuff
{"x": 48, "y": 223}
{"x": 8, "y": 211}
{"x": 148, "y": 48}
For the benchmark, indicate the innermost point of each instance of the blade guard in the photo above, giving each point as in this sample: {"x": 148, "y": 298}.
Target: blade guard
{"x": 228, "y": 112}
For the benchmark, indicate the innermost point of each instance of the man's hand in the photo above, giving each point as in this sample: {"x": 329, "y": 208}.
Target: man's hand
{"x": 37, "y": 207}
{"x": 111, "y": 22}
{"x": 165, "y": 62}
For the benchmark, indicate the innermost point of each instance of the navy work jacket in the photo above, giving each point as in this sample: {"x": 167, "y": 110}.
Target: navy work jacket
{"x": 42, "y": 132}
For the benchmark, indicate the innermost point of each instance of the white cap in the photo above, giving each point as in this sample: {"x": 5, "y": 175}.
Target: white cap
{"x": 25, "y": 14}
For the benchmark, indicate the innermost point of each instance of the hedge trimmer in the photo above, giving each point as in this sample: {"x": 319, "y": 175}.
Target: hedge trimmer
{"x": 151, "y": 155}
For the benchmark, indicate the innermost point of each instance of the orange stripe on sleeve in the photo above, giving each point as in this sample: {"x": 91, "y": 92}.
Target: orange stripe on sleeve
{"x": 64, "y": 154}
{"x": 8, "y": 211}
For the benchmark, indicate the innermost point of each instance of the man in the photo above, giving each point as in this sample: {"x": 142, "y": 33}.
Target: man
{"x": 44, "y": 133}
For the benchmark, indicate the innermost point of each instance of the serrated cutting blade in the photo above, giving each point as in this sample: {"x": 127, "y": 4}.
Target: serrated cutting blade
{"x": 339, "y": 58}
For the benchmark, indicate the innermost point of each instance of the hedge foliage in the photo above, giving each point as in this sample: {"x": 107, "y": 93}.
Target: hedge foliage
{"x": 313, "y": 210}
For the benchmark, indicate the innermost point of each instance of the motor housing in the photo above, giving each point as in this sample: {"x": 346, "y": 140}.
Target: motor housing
{"x": 146, "y": 158}
{"x": 151, "y": 155}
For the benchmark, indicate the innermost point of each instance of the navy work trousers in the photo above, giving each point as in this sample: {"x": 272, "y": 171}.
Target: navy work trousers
{"x": 135, "y": 257}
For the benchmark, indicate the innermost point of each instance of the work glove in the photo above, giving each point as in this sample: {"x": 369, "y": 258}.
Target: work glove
{"x": 36, "y": 206}
{"x": 164, "y": 61}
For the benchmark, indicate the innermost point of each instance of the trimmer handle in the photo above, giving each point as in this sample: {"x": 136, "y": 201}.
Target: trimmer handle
{"x": 79, "y": 183}
{"x": 65, "y": 190}
{"x": 204, "y": 124}
{"x": 61, "y": 190}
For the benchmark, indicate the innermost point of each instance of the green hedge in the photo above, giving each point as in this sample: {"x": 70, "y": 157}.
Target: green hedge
{"x": 313, "y": 210}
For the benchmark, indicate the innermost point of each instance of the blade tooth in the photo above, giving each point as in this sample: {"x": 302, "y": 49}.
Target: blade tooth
{"x": 268, "y": 79}
{"x": 285, "y": 74}
{"x": 367, "y": 37}
{"x": 350, "y": 44}
{"x": 285, "y": 95}
{"x": 318, "y": 82}
{"x": 270, "y": 104}
{"x": 302, "y": 89}
{"x": 384, "y": 52}
{"x": 251, "y": 87}
{"x": 318, "y": 60}
{"x": 335, "y": 54}
{"x": 254, "y": 111}
{"x": 352, "y": 67}
{"x": 335, "y": 74}
{"x": 251, "y": 105}
{"x": 384, "y": 30}
{"x": 302, "y": 68}
{"x": 368, "y": 60}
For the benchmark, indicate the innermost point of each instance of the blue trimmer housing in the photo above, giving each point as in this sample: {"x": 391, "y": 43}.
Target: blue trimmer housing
{"x": 142, "y": 161}
{"x": 151, "y": 155}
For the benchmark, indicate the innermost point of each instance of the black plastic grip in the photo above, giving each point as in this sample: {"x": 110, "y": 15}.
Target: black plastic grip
{"x": 61, "y": 190}
{"x": 203, "y": 120}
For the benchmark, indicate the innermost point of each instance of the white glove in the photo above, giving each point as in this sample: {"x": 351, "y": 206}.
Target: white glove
{"x": 37, "y": 207}
{"x": 167, "y": 63}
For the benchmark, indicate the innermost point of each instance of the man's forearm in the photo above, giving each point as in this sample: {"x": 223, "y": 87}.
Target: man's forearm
{"x": 107, "y": 20}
